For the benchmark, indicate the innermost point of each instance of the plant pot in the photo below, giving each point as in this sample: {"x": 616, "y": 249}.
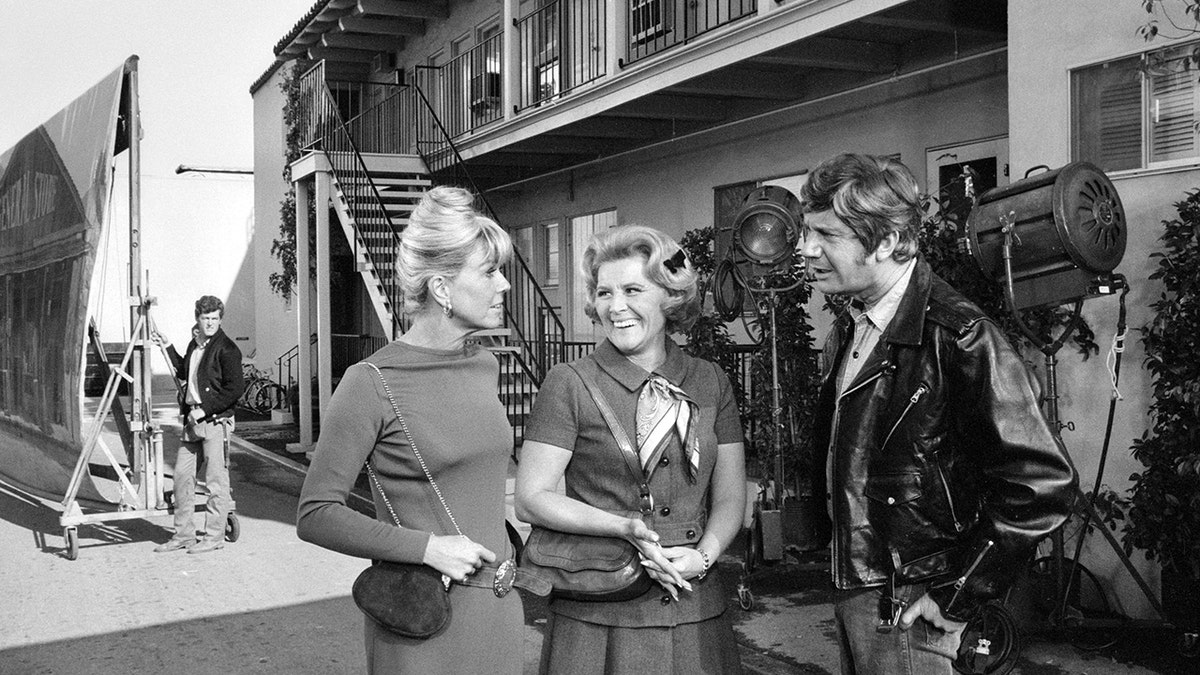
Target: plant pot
{"x": 806, "y": 523}
{"x": 1181, "y": 599}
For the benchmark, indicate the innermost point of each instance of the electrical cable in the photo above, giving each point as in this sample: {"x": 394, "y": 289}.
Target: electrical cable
{"x": 1115, "y": 375}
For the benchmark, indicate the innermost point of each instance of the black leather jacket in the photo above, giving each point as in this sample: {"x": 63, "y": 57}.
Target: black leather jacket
{"x": 944, "y": 468}
{"x": 220, "y": 374}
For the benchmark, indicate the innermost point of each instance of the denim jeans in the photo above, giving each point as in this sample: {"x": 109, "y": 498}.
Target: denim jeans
{"x": 921, "y": 650}
{"x": 206, "y": 441}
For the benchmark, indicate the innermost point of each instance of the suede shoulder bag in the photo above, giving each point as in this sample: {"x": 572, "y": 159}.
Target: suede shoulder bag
{"x": 409, "y": 599}
{"x": 586, "y": 567}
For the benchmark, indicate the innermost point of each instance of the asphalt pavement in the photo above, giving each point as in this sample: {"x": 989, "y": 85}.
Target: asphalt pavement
{"x": 271, "y": 604}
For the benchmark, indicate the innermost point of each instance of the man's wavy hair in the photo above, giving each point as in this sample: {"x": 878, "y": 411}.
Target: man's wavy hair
{"x": 665, "y": 264}
{"x": 873, "y": 195}
{"x": 209, "y": 303}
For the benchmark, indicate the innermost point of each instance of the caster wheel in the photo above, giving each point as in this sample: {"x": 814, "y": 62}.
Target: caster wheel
{"x": 1188, "y": 645}
{"x": 990, "y": 643}
{"x": 745, "y": 599}
{"x": 233, "y": 529}
{"x": 71, "y": 535}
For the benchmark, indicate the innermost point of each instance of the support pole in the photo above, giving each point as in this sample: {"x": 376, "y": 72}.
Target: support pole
{"x": 303, "y": 316}
{"x": 324, "y": 329}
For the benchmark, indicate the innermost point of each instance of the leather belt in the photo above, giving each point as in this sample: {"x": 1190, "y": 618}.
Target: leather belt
{"x": 503, "y": 577}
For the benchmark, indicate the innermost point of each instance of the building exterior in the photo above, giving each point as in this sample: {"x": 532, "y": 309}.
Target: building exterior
{"x": 571, "y": 116}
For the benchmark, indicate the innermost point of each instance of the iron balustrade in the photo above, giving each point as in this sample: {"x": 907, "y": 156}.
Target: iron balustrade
{"x": 538, "y": 331}
{"x": 466, "y": 92}
{"x": 655, "y": 25}
{"x": 563, "y": 46}
{"x": 330, "y": 135}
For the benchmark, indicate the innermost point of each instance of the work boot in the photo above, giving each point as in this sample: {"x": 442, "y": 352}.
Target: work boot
{"x": 174, "y": 544}
{"x": 207, "y": 545}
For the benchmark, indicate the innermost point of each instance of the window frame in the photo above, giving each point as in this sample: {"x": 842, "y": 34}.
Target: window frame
{"x": 1145, "y": 132}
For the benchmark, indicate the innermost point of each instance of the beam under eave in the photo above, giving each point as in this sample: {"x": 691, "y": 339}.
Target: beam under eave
{"x": 926, "y": 26}
{"x": 742, "y": 84}
{"x": 664, "y": 106}
{"x": 347, "y": 55}
{"x": 368, "y": 43}
{"x": 358, "y": 24}
{"x": 834, "y": 54}
{"x": 439, "y": 9}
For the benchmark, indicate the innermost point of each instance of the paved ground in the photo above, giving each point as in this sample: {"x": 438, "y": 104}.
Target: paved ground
{"x": 271, "y": 604}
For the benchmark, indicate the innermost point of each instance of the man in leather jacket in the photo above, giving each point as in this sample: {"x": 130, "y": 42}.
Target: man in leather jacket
{"x": 942, "y": 473}
{"x": 211, "y": 373}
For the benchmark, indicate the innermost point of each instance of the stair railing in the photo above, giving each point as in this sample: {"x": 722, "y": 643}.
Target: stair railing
{"x": 329, "y": 134}
{"x": 539, "y": 332}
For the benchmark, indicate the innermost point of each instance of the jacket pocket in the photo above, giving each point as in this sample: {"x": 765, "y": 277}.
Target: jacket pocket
{"x": 894, "y": 489}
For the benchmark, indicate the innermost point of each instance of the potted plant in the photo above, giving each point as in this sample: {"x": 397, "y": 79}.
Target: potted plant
{"x": 1164, "y": 512}
{"x": 798, "y": 377}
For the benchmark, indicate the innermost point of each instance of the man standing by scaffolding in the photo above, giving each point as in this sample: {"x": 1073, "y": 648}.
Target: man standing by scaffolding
{"x": 211, "y": 370}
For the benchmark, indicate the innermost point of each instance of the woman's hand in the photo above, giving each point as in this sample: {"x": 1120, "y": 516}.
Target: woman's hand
{"x": 456, "y": 556}
{"x": 654, "y": 558}
{"x": 686, "y": 560}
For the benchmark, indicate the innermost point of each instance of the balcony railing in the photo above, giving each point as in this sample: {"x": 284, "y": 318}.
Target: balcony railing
{"x": 466, "y": 92}
{"x": 562, "y": 48}
{"x": 655, "y": 25}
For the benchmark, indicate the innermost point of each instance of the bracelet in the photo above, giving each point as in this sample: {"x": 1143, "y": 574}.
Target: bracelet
{"x": 707, "y": 563}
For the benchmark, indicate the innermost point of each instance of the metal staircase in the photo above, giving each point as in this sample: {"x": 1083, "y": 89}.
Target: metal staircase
{"x": 382, "y": 160}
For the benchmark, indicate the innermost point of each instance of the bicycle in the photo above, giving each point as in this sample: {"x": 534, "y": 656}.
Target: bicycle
{"x": 262, "y": 394}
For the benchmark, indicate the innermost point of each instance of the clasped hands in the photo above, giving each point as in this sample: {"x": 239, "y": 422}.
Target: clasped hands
{"x": 671, "y": 567}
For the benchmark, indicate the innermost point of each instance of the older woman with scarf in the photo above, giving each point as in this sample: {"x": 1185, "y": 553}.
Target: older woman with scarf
{"x": 689, "y": 440}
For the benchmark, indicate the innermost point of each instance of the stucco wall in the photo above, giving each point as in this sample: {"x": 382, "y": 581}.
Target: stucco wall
{"x": 1046, "y": 41}
{"x": 670, "y": 186}
{"x": 276, "y": 317}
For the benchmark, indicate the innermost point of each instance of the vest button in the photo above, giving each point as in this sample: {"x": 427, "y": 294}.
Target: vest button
{"x": 665, "y": 460}
{"x": 666, "y": 510}
{"x": 691, "y": 534}
{"x": 891, "y": 500}
{"x": 666, "y": 600}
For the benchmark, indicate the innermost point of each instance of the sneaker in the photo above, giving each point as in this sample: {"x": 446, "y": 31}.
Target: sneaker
{"x": 174, "y": 544}
{"x": 207, "y": 545}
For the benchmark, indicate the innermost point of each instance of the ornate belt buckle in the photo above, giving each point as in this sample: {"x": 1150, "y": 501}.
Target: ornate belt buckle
{"x": 506, "y": 573}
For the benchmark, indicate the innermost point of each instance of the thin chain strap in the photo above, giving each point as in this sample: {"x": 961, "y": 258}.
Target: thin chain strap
{"x": 420, "y": 460}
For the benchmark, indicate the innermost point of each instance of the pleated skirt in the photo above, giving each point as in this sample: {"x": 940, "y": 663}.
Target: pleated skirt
{"x": 573, "y": 647}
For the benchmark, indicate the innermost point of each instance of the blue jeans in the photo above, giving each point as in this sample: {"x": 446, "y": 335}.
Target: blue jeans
{"x": 921, "y": 650}
{"x": 204, "y": 440}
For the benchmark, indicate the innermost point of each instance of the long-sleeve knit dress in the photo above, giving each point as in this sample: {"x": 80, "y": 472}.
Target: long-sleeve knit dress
{"x": 448, "y": 399}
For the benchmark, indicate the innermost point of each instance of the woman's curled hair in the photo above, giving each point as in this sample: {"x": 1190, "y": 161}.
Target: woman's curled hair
{"x": 665, "y": 264}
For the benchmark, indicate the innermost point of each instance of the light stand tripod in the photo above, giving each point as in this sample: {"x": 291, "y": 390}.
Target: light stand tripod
{"x": 1083, "y": 502}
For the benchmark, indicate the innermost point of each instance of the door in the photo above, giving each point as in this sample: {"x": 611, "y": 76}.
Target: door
{"x": 959, "y": 173}
{"x": 582, "y": 228}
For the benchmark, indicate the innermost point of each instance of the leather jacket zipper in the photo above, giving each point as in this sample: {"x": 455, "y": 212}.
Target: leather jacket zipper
{"x": 962, "y": 580}
{"x": 911, "y": 402}
{"x": 949, "y": 500}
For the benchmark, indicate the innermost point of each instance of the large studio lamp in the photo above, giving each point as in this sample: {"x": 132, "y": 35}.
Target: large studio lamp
{"x": 1055, "y": 236}
{"x": 767, "y": 227}
{"x": 765, "y": 232}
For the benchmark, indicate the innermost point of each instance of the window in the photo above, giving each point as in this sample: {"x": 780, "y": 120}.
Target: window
{"x": 1137, "y": 112}
{"x": 647, "y": 19}
{"x": 552, "y": 259}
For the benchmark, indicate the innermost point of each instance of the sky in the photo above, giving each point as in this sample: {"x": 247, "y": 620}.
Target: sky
{"x": 197, "y": 60}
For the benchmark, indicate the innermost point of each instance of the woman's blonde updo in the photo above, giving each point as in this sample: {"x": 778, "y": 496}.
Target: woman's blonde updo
{"x": 443, "y": 231}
